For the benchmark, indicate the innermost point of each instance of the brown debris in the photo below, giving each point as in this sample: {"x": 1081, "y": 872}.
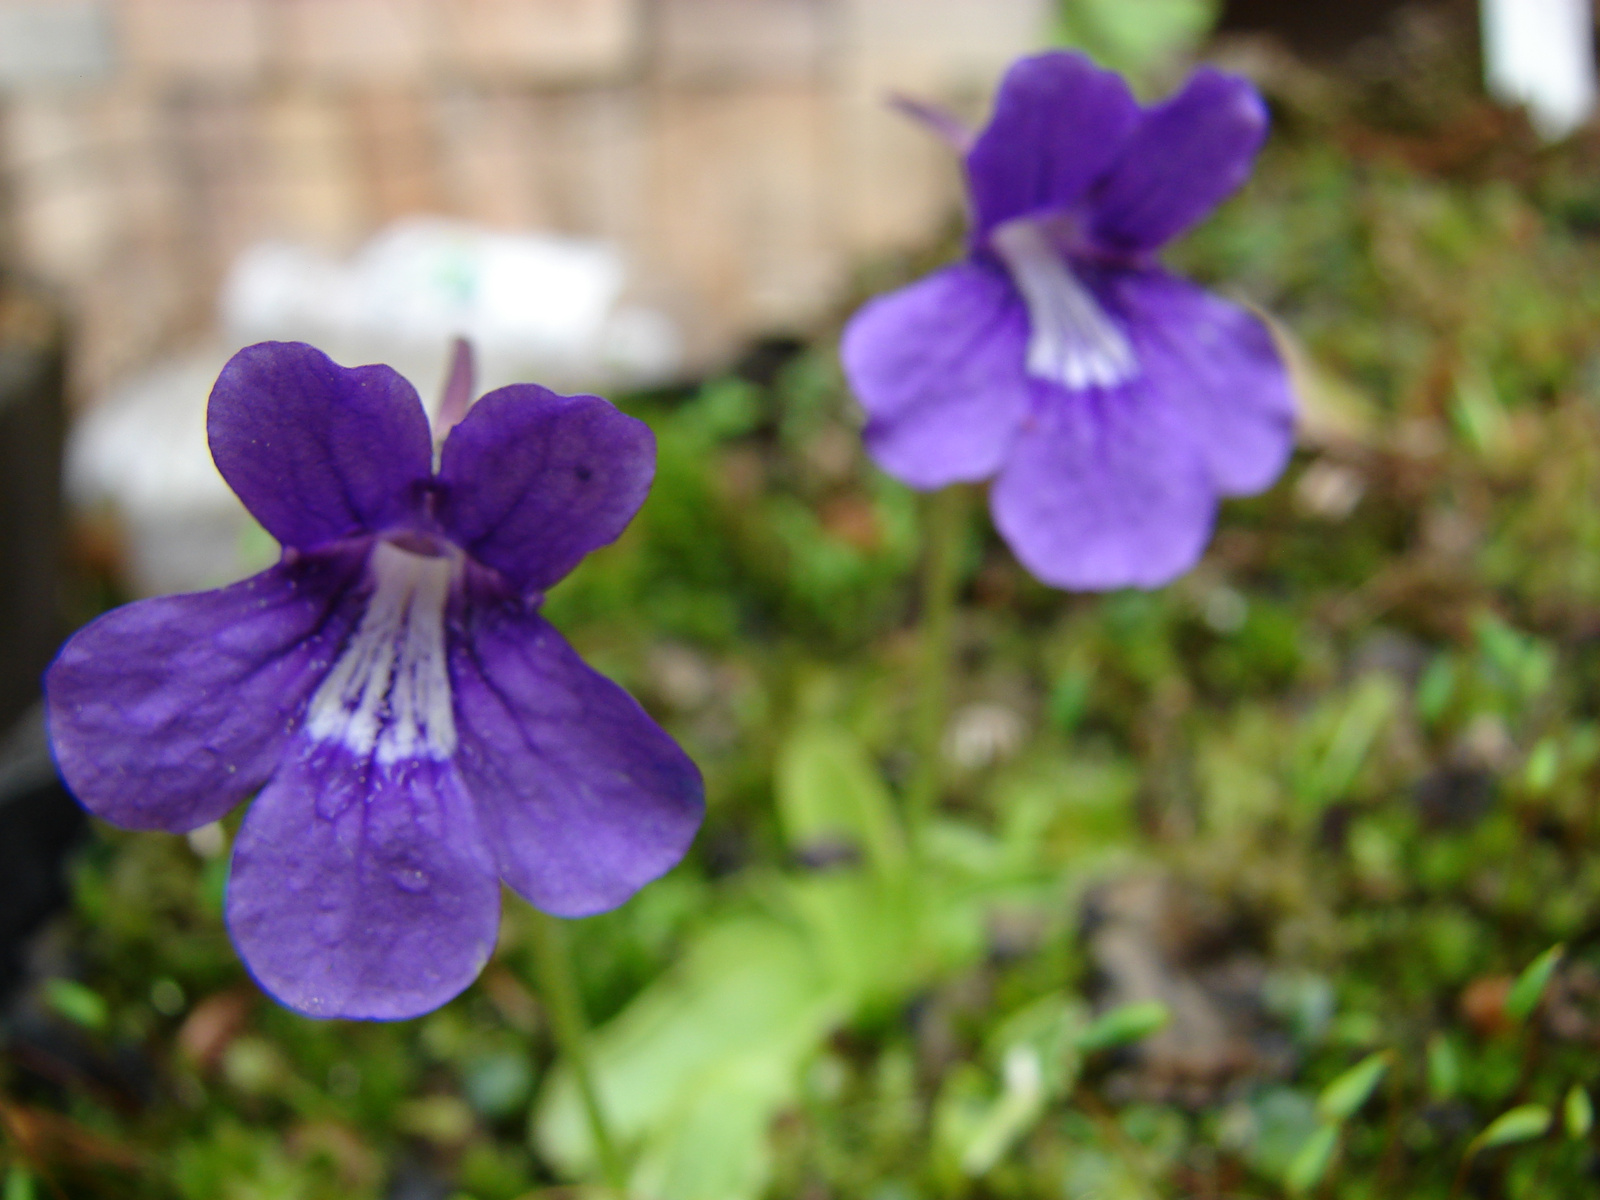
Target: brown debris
{"x": 212, "y": 1025}
{"x": 46, "y": 1137}
{"x": 1483, "y": 1004}
{"x": 1154, "y": 938}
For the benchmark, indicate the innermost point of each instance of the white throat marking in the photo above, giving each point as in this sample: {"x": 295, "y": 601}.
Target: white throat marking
{"x": 1071, "y": 340}
{"x": 388, "y": 696}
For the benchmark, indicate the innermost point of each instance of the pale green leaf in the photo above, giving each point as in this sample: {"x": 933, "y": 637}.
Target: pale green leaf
{"x": 1542, "y": 767}
{"x": 865, "y": 933}
{"x": 1342, "y": 1098}
{"x": 1341, "y": 738}
{"x": 1578, "y": 1111}
{"x": 1313, "y": 1160}
{"x": 77, "y": 1002}
{"x": 1520, "y": 1124}
{"x": 727, "y": 1033}
{"x": 1050, "y": 1026}
{"x": 1530, "y": 986}
{"x": 1125, "y": 1025}
{"x": 1444, "y": 1068}
{"x": 831, "y": 797}
{"x": 1017, "y": 1110}
{"x": 1136, "y": 37}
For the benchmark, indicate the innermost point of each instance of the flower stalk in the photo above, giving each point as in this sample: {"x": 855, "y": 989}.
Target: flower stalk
{"x": 944, "y": 515}
{"x": 559, "y": 987}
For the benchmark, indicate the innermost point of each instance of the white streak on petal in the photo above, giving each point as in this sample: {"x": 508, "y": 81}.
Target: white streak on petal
{"x": 388, "y": 696}
{"x": 1071, "y": 340}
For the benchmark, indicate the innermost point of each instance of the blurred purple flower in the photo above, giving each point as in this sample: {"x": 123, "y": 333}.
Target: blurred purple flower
{"x": 1111, "y": 402}
{"x": 418, "y": 732}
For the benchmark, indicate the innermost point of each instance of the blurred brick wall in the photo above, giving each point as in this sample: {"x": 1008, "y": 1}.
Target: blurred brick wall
{"x": 738, "y": 149}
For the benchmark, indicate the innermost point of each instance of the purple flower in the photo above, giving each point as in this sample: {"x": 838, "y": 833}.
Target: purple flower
{"x": 416, "y": 730}
{"x": 1110, "y": 401}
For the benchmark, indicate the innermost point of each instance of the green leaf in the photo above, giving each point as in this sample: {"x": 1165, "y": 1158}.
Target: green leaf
{"x": 1523, "y": 663}
{"x": 1435, "y": 688}
{"x": 19, "y": 1183}
{"x": 831, "y": 795}
{"x": 975, "y": 1127}
{"x": 1125, "y": 1025}
{"x": 1529, "y": 988}
{"x": 1135, "y": 37}
{"x": 1050, "y": 1025}
{"x": 1069, "y": 699}
{"x": 1018, "y": 1108}
{"x": 1478, "y": 414}
{"x": 1312, "y": 1161}
{"x": 1444, "y": 1068}
{"x": 724, "y": 408}
{"x": 1542, "y": 767}
{"x": 1341, "y": 739}
{"x": 1342, "y": 1098}
{"x": 1280, "y": 1119}
{"x": 1520, "y": 1124}
{"x": 693, "y": 1071}
{"x": 1578, "y": 1110}
{"x": 865, "y": 934}
{"x": 77, "y": 1003}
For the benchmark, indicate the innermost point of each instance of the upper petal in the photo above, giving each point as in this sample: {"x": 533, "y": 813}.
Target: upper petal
{"x": 1215, "y": 364}
{"x": 1105, "y": 490}
{"x": 166, "y": 713}
{"x": 362, "y": 890}
{"x": 938, "y": 366}
{"x": 1059, "y": 122}
{"x": 584, "y": 798}
{"x": 318, "y": 451}
{"x": 532, "y": 481}
{"x": 1189, "y": 153}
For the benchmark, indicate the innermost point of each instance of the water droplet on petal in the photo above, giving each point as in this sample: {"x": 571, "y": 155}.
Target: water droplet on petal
{"x": 409, "y": 879}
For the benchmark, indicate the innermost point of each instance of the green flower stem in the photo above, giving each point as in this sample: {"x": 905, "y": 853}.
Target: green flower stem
{"x": 944, "y": 523}
{"x": 559, "y": 988}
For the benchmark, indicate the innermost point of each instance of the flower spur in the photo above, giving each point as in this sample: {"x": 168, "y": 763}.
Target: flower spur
{"x": 1111, "y": 402}
{"x": 416, "y": 730}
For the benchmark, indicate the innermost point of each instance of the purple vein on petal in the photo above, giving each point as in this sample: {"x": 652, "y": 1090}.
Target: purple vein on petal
{"x": 1071, "y": 339}
{"x": 388, "y": 694}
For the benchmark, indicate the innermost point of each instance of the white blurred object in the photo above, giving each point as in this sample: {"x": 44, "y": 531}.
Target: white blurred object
{"x": 535, "y": 306}
{"x": 141, "y": 452}
{"x": 1541, "y": 53}
{"x": 55, "y": 43}
{"x": 982, "y": 734}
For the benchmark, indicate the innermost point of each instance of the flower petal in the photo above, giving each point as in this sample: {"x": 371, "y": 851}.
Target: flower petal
{"x": 166, "y": 713}
{"x": 362, "y": 891}
{"x": 1216, "y": 364}
{"x": 1190, "y": 153}
{"x": 1105, "y": 490}
{"x": 318, "y": 451}
{"x": 1059, "y": 122}
{"x": 583, "y": 797}
{"x": 532, "y": 481}
{"x": 938, "y": 366}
